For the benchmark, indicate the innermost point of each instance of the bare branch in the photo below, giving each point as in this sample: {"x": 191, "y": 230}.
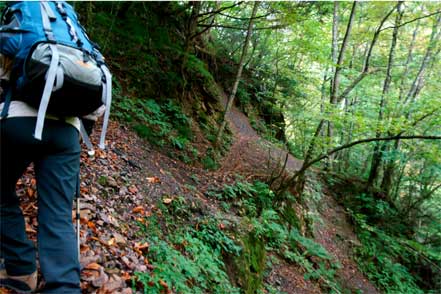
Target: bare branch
{"x": 245, "y": 18}
{"x": 410, "y": 21}
{"x": 279, "y": 26}
{"x": 308, "y": 164}
{"x": 210, "y": 13}
{"x": 365, "y": 70}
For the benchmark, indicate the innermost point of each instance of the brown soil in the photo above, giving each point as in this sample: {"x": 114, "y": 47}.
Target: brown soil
{"x": 337, "y": 236}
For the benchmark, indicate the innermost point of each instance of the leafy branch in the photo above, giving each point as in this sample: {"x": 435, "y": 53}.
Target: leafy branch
{"x": 412, "y": 20}
{"x": 308, "y": 164}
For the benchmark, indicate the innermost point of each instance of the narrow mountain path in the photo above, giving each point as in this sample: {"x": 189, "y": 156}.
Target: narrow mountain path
{"x": 335, "y": 233}
{"x": 257, "y": 155}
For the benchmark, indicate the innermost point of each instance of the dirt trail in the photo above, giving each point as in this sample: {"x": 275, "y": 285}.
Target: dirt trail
{"x": 337, "y": 236}
{"x": 250, "y": 153}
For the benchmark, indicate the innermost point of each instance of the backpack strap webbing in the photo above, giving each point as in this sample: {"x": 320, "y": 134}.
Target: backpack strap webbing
{"x": 47, "y": 16}
{"x": 107, "y": 100}
{"x": 7, "y": 102}
{"x": 86, "y": 139}
{"x": 47, "y": 91}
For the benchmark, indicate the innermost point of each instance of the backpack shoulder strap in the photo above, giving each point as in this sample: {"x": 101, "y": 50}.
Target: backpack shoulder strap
{"x": 107, "y": 100}
{"x": 47, "y": 16}
{"x": 47, "y": 91}
{"x": 7, "y": 101}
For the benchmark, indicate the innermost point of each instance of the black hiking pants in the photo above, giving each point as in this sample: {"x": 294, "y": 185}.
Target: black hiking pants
{"x": 56, "y": 160}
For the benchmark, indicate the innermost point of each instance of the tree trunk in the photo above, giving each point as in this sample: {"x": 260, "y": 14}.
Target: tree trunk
{"x": 389, "y": 173}
{"x": 191, "y": 26}
{"x": 343, "y": 157}
{"x": 341, "y": 55}
{"x": 338, "y": 61}
{"x": 366, "y": 66}
{"x": 416, "y": 87}
{"x": 379, "y": 147}
{"x": 408, "y": 60}
{"x": 323, "y": 97}
{"x": 238, "y": 75}
{"x": 334, "y": 52}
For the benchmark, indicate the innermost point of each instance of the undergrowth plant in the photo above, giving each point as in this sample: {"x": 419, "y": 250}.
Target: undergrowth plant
{"x": 192, "y": 254}
{"x": 184, "y": 260}
{"x": 258, "y": 206}
{"x": 159, "y": 123}
{"x": 382, "y": 257}
{"x": 387, "y": 255}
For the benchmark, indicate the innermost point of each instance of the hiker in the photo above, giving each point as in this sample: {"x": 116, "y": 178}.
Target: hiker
{"x": 40, "y": 124}
{"x": 56, "y": 160}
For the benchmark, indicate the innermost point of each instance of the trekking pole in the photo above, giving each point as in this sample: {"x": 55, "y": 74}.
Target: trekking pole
{"x": 77, "y": 215}
{"x": 78, "y": 225}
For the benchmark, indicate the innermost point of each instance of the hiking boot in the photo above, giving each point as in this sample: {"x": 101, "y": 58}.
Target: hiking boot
{"x": 20, "y": 284}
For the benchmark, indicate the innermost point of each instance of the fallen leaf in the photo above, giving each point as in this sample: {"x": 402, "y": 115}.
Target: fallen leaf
{"x": 119, "y": 239}
{"x": 133, "y": 189}
{"x": 93, "y": 266}
{"x": 102, "y": 279}
{"x": 111, "y": 242}
{"x": 141, "y": 220}
{"x": 90, "y": 274}
{"x": 142, "y": 246}
{"x": 167, "y": 200}
{"x": 30, "y": 192}
{"x": 163, "y": 284}
{"x": 84, "y": 248}
{"x": 92, "y": 226}
{"x": 153, "y": 180}
{"x": 126, "y": 276}
{"x": 29, "y": 229}
{"x": 112, "y": 285}
{"x": 138, "y": 209}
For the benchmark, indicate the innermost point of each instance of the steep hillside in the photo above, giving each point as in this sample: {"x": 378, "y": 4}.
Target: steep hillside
{"x": 132, "y": 185}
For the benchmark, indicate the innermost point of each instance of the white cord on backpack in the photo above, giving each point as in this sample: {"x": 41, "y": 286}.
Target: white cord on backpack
{"x": 48, "y": 87}
{"x": 107, "y": 100}
{"x": 83, "y": 133}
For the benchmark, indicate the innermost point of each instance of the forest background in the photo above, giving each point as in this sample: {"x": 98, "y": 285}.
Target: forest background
{"x": 310, "y": 76}
{"x": 352, "y": 89}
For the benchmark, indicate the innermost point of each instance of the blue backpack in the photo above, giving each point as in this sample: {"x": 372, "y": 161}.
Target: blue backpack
{"x": 56, "y": 68}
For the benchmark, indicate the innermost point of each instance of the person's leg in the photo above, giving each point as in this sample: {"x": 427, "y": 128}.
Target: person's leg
{"x": 57, "y": 176}
{"x": 16, "y": 249}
